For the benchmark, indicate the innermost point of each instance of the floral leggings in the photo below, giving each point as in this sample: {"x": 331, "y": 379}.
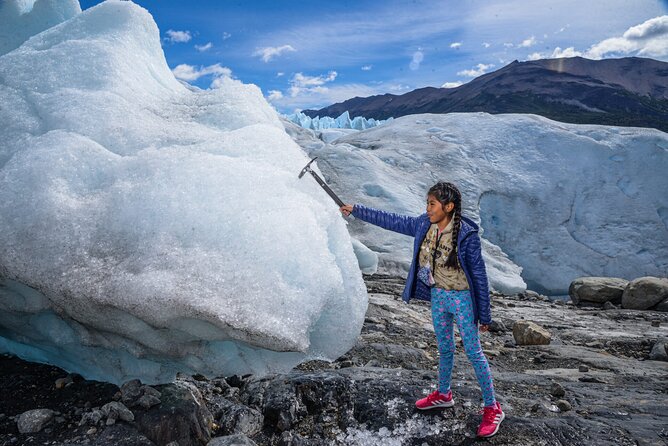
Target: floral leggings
{"x": 447, "y": 305}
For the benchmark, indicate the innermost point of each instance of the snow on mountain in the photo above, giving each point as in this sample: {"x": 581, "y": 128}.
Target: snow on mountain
{"x": 147, "y": 228}
{"x": 561, "y": 200}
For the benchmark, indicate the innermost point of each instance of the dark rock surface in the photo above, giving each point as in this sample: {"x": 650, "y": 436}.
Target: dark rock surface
{"x": 367, "y": 396}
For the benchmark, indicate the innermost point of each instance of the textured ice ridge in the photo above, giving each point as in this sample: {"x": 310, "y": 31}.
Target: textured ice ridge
{"x": 148, "y": 228}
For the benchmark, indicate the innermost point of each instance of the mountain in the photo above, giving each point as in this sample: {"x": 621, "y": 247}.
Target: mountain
{"x": 630, "y": 91}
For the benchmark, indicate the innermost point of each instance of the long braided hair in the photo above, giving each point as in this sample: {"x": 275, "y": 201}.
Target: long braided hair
{"x": 448, "y": 193}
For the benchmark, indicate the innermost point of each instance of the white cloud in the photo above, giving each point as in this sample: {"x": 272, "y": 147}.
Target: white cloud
{"x": 452, "y": 84}
{"x": 456, "y": 45}
{"x": 535, "y": 56}
{"x": 300, "y": 83}
{"x": 658, "y": 26}
{"x": 508, "y": 45}
{"x": 271, "y": 52}
{"x": 526, "y": 43}
{"x": 178, "y": 36}
{"x": 274, "y": 95}
{"x": 650, "y": 38}
{"x": 479, "y": 70}
{"x": 226, "y": 35}
{"x": 566, "y": 52}
{"x": 191, "y": 73}
{"x": 398, "y": 87}
{"x": 320, "y": 96}
{"x": 202, "y": 48}
{"x": 280, "y": 74}
{"x": 367, "y": 67}
{"x": 486, "y": 44}
{"x": 418, "y": 57}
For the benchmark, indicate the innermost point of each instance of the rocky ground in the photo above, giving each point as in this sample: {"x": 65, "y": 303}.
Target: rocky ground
{"x": 594, "y": 384}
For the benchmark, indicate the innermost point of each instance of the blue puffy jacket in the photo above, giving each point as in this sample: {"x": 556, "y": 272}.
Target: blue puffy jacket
{"x": 468, "y": 252}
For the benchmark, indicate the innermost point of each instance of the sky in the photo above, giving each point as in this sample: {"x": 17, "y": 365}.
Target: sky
{"x": 307, "y": 55}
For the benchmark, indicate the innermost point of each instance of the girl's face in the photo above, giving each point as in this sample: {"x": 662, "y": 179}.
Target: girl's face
{"x": 436, "y": 211}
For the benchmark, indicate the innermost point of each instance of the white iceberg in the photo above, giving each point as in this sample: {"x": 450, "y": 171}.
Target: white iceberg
{"x": 148, "y": 228}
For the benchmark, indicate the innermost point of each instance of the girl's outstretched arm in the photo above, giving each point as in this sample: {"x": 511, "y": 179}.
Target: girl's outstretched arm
{"x": 402, "y": 224}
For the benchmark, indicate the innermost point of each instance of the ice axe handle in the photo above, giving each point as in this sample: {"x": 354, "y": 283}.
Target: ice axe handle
{"x": 329, "y": 191}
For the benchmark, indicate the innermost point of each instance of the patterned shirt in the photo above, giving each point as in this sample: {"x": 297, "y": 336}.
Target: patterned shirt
{"x": 446, "y": 278}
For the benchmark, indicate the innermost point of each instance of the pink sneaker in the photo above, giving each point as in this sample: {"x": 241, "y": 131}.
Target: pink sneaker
{"x": 492, "y": 416}
{"x": 434, "y": 400}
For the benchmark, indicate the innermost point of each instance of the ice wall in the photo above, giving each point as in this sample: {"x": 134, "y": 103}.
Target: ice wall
{"x": 147, "y": 228}
{"x": 343, "y": 121}
{"x": 560, "y": 200}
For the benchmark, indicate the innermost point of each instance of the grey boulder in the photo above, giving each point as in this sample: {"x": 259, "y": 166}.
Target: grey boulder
{"x": 597, "y": 289}
{"x": 644, "y": 293}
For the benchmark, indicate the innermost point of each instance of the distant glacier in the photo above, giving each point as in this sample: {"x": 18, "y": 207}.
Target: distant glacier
{"x": 342, "y": 122}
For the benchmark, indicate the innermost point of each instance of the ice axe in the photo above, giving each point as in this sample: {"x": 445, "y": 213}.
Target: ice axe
{"x": 321, "y": 182}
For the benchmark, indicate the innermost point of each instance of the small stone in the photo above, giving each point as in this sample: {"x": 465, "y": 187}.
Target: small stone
{"x": 116, "y": 410}
{"x": 148, "y": 401}
{"x": 91, "y": 418}
{"x": 583, "y": 368}
{"x": 564, "y": 405}
{"x": 91, "y": 431}
{"x": 421, "y": 345}
{"x": 594, "y": 344}
{"x": 590, "y": 379}
{"x": 557, "y": 390}
{"x": 130, "y": 392}
{"x": 34, "y": 420}
{"x": 148, "y": 390}
{"x": 659, "y": 351}
{"x": 530, "y": 333}
{"x": 609, "y": 306}
{"x": 62, "y": 382}
{"x": 656, "y": 323}
{"x": 497, "y": 327}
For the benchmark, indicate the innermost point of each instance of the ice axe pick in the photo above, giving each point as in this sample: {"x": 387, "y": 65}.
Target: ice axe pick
{"x": 321, "y": 182}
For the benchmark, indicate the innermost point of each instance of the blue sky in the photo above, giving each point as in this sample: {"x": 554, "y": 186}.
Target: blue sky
{"x": 312, "y": 54}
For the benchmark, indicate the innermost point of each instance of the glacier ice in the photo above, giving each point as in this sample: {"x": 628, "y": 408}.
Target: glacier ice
{"x": 343, "y": 121}
{"x": 148, "y": 228}
{"x": 555, "y": 201}
{"x": 22, "y": 19}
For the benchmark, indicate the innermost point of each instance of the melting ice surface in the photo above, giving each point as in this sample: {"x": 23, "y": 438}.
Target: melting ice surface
{"x": 148, "y": 228}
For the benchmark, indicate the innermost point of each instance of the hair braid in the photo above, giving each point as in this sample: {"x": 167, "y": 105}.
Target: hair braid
{"x": 448, "y": 193}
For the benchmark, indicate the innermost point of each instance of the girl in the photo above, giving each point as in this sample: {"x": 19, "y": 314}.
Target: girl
{"x": 448, "y": 269}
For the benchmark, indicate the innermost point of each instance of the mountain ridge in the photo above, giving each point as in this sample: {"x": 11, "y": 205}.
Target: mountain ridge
{"x": 629, "y": 91}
